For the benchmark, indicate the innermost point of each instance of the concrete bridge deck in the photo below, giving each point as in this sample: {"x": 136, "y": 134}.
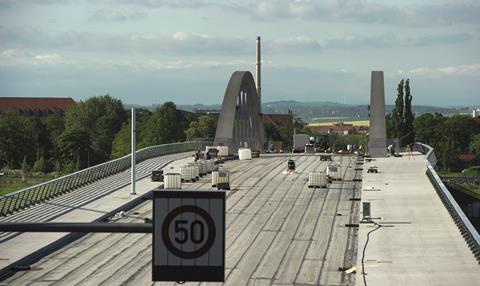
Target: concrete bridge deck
{"x": 418, "y": 244}
{"x": 279, "y": 232}
{"x": 81, "y": 205}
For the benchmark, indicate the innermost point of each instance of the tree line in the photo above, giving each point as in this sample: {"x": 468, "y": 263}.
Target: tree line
{"x": 450, "y": 136}
{"x": 91, "y": 132}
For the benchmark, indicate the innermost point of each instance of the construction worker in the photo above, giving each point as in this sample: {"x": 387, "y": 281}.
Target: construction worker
{"x": 390, "y": 150}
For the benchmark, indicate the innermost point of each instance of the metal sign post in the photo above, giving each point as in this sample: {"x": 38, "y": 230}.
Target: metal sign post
{"x": 188, "y": 236}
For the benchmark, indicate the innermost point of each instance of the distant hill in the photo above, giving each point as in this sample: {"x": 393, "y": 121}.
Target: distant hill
{"x": 315, "y": 109}
{"x": 197, "y": 106}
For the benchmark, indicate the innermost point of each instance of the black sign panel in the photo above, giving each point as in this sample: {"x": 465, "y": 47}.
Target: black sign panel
{"x": 366, "y": 209}
{"x": 188, "y": 236}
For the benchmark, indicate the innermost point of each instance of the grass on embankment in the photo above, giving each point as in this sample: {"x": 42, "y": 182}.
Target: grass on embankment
{"x": 468, "y": 189}
{"x": 469, "y": 172}
{"x": 12, "y": 184}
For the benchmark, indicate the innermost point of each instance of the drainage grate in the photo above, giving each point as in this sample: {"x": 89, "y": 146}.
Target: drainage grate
{"x": 352, "y": 225}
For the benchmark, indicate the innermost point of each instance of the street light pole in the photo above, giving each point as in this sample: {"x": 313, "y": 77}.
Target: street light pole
{"x": 133, "y": 157}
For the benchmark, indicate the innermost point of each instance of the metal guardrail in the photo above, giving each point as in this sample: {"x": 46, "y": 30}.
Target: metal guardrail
{"x": 27, "y": 197}
{"x": 428, "y": 151}
{"x": 469, "y": 233}
{"x": 67, "y": 239}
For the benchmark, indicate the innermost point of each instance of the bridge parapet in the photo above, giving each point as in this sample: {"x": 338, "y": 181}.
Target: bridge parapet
{"x": 30, "y": 196}
{"x": 469, "y": 233}
{"x": 427, "y": 151}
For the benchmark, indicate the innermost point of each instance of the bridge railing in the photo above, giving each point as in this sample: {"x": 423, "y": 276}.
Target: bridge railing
{"x": 428, "y": 151}
{"x": 27, "y": 197}
{"x": 469, "y": 233}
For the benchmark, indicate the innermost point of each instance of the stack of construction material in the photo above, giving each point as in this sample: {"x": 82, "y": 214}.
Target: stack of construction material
{"x": 244, "y": 154}
{"x": 188, "y": 173}
{"x": 221, "y": 179}
{"x": 317, "y": 179}
{"x": 334, "y": 172}
{"x": 196, "y": 169}
{"x": 172, "y": 181}
{"x": 210, "y": 165}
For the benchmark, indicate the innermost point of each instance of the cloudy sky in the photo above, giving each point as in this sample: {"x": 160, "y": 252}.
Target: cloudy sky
{"x": 147, "y": 51}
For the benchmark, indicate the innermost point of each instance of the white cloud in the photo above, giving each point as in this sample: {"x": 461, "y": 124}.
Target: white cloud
{"x": 361, "y": 11}
{"x": 105, "y": 15}
{"x": 195, "y": 44}
{"x": 48, "y": 58}
{"x": 389, "y": 39}
{"x": 366, "y": 12}
{"x": 460, "y": 70}
{"x": 15, "y": 57}
{"x": 424, "y": 13}
{"x": 299, "y": 43}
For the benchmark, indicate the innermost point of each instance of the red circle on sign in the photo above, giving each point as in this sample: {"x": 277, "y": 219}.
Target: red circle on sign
{"x": 210, "y": 227}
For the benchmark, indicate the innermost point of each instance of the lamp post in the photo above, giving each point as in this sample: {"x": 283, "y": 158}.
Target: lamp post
{"x": 133, "y": 157}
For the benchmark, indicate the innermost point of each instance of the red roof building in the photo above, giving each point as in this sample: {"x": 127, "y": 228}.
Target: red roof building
{"x": 466, "y": 157}
{"x": 39, "y": 106}
{"x": 339, "y": 128}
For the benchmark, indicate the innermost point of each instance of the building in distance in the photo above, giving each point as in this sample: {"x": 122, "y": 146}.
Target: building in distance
{"x": 36, "y": 106}
{"x": 277, "y": 119}
{"x": 338, "y": 128}
{"x": 476, "y": 112}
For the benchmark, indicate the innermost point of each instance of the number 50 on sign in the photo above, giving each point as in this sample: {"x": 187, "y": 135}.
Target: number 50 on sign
{"x": 189, "y": 236}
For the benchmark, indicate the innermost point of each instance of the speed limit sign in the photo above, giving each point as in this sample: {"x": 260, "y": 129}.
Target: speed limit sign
{"x": 188, "y": 236}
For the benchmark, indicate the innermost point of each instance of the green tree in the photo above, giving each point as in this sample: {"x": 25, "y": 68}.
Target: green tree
{"x": 272, "y": 133}
{"x": 58, "y": 168}
{"x": 428, "y": 128}
{"x": 25, "y": 168}
{"x": 71, "y": 167}
{"x": 390, "y": 124}
{"x": 449, "y": 136}
{"x": 184, "y": 119}
{"x": 408, "y": 116}
{"x": 121, "y": 145}
{"x": 101, "y": 117}
{"x": 75, "y": 146}
{"x": 55, "y": 125}
{"x": 398, "y": 111}
{"x": 460, "y": 129}
{"x": 164, "y": 126}
{"x": 204, "y": 127}
{"x": 122, "y": 142}
{"x": 39, "y": 165}
{"x": 41, "y": 142}
{"x": 474, "y": 145}
{"x": 16, "y": 140}
{"x": 286, "y": 131}
{"x": 342, "y": 140}
{"x": 400, "y": 121}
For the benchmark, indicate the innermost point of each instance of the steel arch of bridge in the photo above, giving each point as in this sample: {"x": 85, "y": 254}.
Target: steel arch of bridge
{"x": 240, "y": 123}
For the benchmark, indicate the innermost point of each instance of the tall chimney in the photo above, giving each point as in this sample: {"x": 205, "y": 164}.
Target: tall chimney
{"x": 258, "y": 79}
